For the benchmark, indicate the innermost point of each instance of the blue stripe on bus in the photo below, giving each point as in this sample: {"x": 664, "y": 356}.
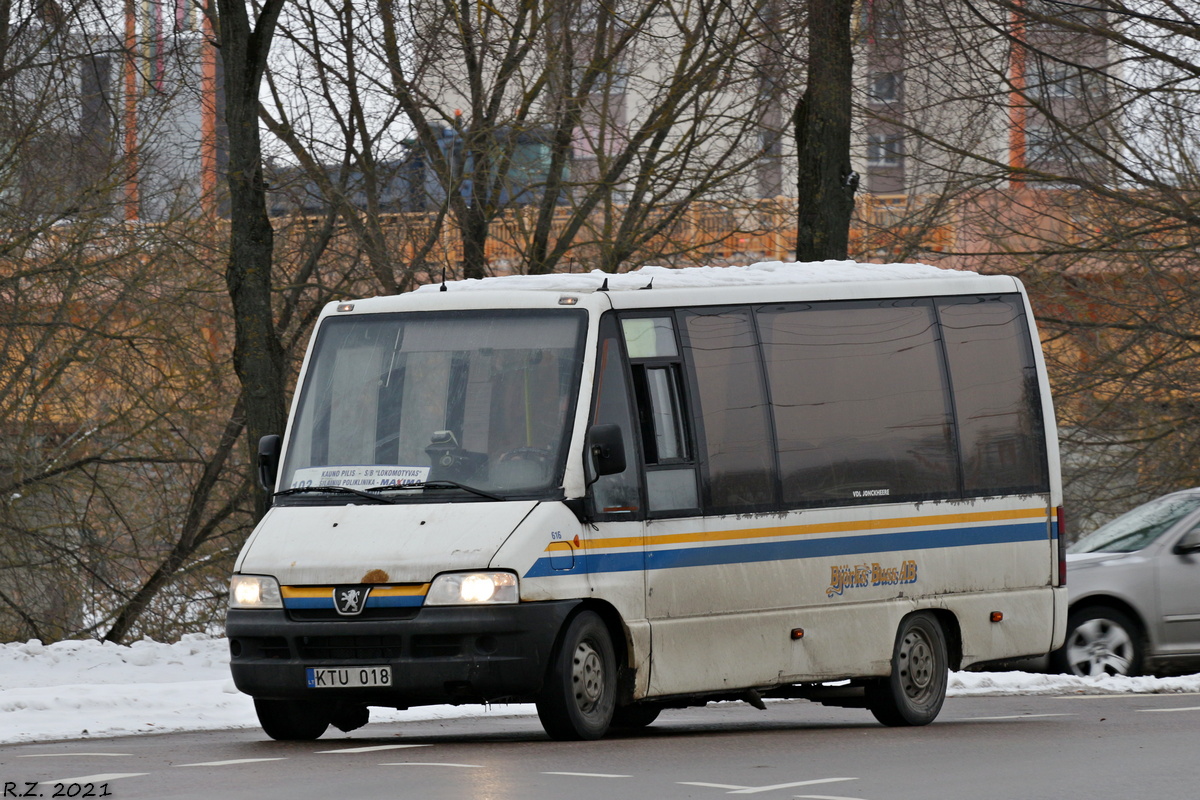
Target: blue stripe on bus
{"x": 715, "y": 555}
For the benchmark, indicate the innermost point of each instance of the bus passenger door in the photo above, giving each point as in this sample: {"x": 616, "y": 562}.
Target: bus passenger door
{"x": 702, "y": 412}
{"x": 615, "y": 542}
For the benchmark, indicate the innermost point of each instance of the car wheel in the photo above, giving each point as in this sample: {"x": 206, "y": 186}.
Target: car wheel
{"x": 913, "y": 694}
{"x": 291, "y": 720}
{"x": 1100, "y": 641}
{"x": 579, "y": 696}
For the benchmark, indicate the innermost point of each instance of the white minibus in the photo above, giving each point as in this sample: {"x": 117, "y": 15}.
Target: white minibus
{"x": 610, "y": 495}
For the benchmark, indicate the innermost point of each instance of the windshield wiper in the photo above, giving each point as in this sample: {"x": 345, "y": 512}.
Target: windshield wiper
{"x": 338, "y": 490}
{"x": 442, "y": 484}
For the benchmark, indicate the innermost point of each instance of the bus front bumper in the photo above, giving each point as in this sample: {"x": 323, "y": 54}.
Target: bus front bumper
{"x": 441, "y": 655}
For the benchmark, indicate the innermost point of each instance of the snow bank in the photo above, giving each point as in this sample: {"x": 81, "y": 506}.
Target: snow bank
{"x": 770, "y": 273}
{"x": 85, "y": 689}
{"x": 89, "y": 688}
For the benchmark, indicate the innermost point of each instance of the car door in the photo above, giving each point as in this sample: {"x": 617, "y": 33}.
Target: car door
{"x": 1179, "y": 591}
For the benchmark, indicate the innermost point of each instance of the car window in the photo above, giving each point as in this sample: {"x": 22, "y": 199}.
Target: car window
{"x": 1138, "y": 528}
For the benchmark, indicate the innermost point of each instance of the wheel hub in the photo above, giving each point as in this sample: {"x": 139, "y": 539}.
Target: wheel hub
{"x": 587, "y": 676}
{"x": 916, "y": 664}
{"x": 1098, "y": 647}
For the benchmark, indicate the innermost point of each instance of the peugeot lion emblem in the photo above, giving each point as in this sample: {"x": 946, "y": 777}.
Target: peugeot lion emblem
{"x": 350, "y": 600}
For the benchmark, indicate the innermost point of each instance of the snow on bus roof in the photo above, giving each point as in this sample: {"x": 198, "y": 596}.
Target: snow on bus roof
{"x": 763, "y": 273}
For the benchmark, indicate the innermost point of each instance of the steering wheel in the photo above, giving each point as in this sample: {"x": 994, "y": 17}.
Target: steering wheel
{"x": 539, "y": 454}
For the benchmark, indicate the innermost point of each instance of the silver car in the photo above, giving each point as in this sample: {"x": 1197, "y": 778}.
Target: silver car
{"x": 1134, "y": 587}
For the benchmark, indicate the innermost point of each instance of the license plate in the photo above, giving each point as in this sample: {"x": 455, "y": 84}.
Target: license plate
{"x": 348, "y": 677}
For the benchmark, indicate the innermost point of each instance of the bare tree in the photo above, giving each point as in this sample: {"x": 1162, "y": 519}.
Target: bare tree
{"x": 112, "y": 447}
{"x": 571, "y": 133}
{"x": 1056, "y": 140}
{"x": 122, "y": 498}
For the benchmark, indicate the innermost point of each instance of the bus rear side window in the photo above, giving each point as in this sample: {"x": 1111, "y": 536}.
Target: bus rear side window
{"x": 995, "y": 394}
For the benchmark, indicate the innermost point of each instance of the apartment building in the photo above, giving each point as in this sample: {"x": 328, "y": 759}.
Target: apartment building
{"x": 97, "y": 122}
{"x": 952, "y": 95}
{"x": 944, "y": 92}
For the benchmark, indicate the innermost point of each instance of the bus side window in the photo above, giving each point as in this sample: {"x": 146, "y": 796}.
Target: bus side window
{"x": 660, "y": 409}
{"x": 615, "y": 496}
{"x": 732, "y": 410}
{"x": 658, "y": 391}
{"x": 862, "y": 410}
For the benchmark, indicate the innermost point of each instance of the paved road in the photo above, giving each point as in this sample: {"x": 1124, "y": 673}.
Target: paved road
{"x": 1140, "y": 747}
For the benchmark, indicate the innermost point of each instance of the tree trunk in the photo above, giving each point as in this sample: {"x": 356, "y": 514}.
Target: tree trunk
{"x": 257, "y": 354}
{"x": 826, "y": 183}
{"x": 473, "y": 227}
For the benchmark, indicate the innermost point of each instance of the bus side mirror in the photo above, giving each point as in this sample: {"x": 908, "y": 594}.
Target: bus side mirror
{"x": 606, "y": 449}
{"x": 269, "y": 448}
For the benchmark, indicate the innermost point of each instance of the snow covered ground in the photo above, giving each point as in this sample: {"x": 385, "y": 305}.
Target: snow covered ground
{"x": 87, "y": 689}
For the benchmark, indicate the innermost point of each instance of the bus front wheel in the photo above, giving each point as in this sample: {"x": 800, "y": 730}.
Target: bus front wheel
{"x": 291, "y": 720}
{"x": 913, "y": 694}
{"x": 635, "y": 717}
{"x": 578, "y": 699}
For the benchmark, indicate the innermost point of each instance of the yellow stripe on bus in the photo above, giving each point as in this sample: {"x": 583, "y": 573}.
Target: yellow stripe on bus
{"x": 857, "y": 526}
{"x": 298, "y": 592}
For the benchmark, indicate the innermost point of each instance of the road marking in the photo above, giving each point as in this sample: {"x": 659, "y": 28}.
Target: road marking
{"x": 230, "y": 762}
{"x": 757, "y": 789}
{"x": 73, "y": 755}
{"x": 374, "y": 748}
{"x": 1014, "y": 716}
{"x": 431, "y": 764}
{"x": 1165, "y": 710}
{"x": 111, "y": 776}
{"x": 1122, "y": 695}
{"x": 824, "y": 797}
{"x": 587, "y": 774}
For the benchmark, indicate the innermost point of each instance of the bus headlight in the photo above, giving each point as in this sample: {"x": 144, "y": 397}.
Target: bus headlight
{"x": 473, "y": 588}
{"x": 254, "y": 591}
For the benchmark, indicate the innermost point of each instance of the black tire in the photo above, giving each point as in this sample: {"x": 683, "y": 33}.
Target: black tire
{"x": 1100, "y": 641}
{"x": 579, "y": 696}
{"x": 350, "y": 718}
{"x": 291, "y": 720}
{"x": 635, "y": 717}
{"x": 913, "y": 694}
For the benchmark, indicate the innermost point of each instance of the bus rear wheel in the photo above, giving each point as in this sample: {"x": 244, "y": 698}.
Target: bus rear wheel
{"x": 579, "y": 696}
{"x": 913, "y": 694}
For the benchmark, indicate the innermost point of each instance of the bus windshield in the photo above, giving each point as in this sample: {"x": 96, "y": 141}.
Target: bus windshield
{"x": 473, "y": 401}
